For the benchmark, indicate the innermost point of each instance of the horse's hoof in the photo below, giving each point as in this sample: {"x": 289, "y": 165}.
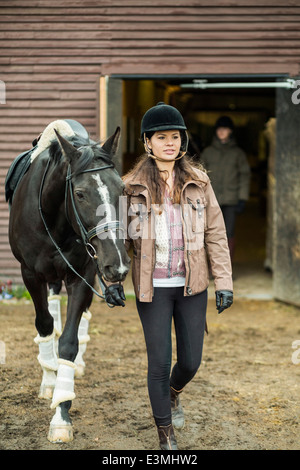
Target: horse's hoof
{"x": 46, "y": 393}
{"x": 79, "y": 372}
{"x": 61, "y": 433}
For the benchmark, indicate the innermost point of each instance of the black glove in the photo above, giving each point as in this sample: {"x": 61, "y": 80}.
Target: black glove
{"x": 224, "y": 299}
{"x": 114, "y": 295}
{"x": 240, "y": 207}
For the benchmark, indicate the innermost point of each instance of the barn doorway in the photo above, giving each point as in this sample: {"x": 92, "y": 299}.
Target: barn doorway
{"x": 253, "y": 110}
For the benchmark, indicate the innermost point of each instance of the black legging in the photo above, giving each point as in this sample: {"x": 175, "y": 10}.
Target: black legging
{"x": 189, "y": 319}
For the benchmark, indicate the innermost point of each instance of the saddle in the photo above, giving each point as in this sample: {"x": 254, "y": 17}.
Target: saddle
{"x": 22, "y": 162}
{"x": 16, "y": 171}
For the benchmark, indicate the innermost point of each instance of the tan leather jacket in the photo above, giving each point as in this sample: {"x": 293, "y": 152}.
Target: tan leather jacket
{"x": 204, "y": 236}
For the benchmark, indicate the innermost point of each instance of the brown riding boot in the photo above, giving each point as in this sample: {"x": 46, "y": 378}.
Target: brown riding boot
{"x": 176, "y": 409}
{"x": 167, "y": 440}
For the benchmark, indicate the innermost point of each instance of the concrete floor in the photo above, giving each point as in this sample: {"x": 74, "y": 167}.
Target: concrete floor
{"x": 251, "y": 283}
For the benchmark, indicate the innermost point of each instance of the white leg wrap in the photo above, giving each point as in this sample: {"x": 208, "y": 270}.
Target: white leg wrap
{"x": 47, "y": 353}
{"x": 84, "y": 327}
{"x": 83, "y": 338}
{"x": 64, "y": 387}
{"x": 54, "y": 309}
{"x": 48, "y": 384}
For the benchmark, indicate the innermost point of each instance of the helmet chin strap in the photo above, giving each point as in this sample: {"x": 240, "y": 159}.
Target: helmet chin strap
{"x": 150, "y": 154}
{"x": 165, "y": 160}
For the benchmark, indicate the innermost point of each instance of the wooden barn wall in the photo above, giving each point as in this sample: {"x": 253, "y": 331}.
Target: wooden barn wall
{"x": 52, "y": 54}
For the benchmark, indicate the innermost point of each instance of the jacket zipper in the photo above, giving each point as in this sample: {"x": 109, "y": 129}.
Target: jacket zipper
{"x": 188, "y": 288}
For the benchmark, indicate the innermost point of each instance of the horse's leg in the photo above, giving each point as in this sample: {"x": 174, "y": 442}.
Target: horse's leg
{"x": 46, "y": 338}
{"x": 54, "y": 299}
{"x": 79, "y": 299}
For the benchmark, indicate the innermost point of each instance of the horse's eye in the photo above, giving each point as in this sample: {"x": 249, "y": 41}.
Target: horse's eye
{"x": 79, "y": 195}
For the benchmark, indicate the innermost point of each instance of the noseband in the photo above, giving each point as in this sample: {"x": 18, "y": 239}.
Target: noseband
{"x": 85, "y": 234}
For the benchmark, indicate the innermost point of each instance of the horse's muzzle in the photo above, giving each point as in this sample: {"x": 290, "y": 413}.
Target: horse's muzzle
{"x": 115, "y": 273}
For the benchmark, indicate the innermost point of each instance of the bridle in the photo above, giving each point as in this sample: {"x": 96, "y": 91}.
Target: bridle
{"x": 100, "y": 228}
{"x": 85, "y": 234}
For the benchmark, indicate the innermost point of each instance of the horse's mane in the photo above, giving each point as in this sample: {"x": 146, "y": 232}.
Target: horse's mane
{"x": 90, "y": 151}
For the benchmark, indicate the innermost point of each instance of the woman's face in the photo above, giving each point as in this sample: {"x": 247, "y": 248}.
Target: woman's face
{"x": 165, "y": 144}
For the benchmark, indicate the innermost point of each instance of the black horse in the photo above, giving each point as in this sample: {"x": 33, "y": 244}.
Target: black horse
{"x": 56, "y": 235}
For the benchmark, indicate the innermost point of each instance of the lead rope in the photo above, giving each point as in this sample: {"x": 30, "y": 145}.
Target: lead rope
{"x": 101, "y": 281}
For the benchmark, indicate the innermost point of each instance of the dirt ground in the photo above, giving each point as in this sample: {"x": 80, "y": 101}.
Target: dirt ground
{"x": 245, "y": 395}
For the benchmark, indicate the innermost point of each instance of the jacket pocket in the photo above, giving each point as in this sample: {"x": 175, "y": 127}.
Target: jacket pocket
{"x": 138, "y": 213}
{"x": 199, "y": 279}
{"x": 196, "y": 210}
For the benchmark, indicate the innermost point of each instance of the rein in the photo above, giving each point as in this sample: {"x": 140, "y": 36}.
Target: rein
{"x": 85, "y": 235}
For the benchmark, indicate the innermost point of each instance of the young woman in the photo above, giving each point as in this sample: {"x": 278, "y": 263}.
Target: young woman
{"x": 174, "y": 223}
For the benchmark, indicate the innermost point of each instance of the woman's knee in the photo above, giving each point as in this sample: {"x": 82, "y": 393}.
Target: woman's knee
{"x": 188, "y": 369}
{"x": 159, "y": 371}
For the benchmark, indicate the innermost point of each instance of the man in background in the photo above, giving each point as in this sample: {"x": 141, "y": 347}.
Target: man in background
{"x": 229, "y": 171}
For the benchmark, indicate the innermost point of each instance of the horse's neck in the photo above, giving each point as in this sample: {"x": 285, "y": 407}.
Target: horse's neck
{"x": 53, "y": 193}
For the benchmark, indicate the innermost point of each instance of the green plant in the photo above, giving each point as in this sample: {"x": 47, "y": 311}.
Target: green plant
{"x": 20, "y": 292}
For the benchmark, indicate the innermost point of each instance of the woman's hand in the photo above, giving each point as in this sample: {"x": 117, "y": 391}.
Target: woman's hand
{"x": 224, "y": 299}
{"x": 114, "y": 295}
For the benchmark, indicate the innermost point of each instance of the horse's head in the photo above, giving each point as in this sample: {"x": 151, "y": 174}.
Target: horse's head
{"x": 93, "y": 203}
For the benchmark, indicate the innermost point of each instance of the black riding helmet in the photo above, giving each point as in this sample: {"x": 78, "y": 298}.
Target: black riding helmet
{"x": 164, "y": 117}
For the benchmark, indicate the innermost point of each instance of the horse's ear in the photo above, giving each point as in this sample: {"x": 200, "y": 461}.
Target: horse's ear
{"x": 67, "y": 148}
{"x": 112, "y": 143}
